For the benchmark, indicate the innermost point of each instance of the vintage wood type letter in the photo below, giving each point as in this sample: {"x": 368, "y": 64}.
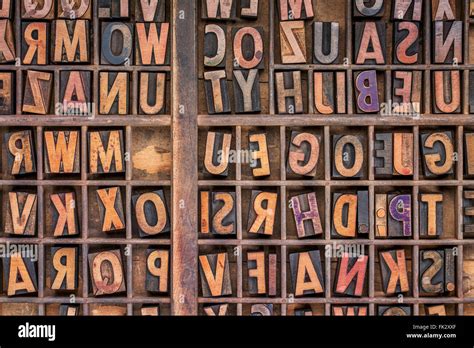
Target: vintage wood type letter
{"x": 65, "y": 214}
{"x": 381, "y": 215}
{"x": 20, "y": 152}
{"x": 43, "y": 9}
{"x": 292, "y": 41}
{"x": 329, "y": 92}
{"x": 306, "y": 215}
{"x": 35, "y": 43}
{"x": 114, "y": 8}
{"x": 431, "y": 214}
{"x": 344, "y": 215}
{"x": 303, "y": 154}
{"x": 74, "y": 9}
{"x": 447, "y": 41}
{"x": 407, "y": 10}
{"x": 217, "y": 93}
{"x": 151, "y": 10}
{"x": 7, "y": 93}
{"x": 151, "y": 213}
{"x": 111, "y": 209}
{"x": 394, "y": 272}
{"x": 262, "y": 211}
{"x": 403, "y": 154}
{"x": 223, "y": 213}
{"x": 363, "y": 8}
{"x": 106, "y": 273}
{"x": 75, "y": 93}
{"x": 260, "y": 163}
{"x": 117, "y": 43}
{"x": 215, "y": 46}
{"x": 20, "y": 214}
{"x": 325, "y": 42}
{"x": 351, "y": 275}
{"x": 37, "y": 93}
{"x": 438, "y": 153}
{"x": 370, "y": 43}
{"x": 246, "y": 91}
{"x": 106, "y": 152}
{"x": 20, "y": 274}
{"x": 64, "y": 270}
{"x": 114, "y": 93}
{"x": 152, "y": 48}
{"x": 366, "y": 92}
{"x": 71, "y": 44}
{"x": 399, "y": 217}
{"x": 215, "y": 275}
{"x": 152, "y": 93}
{"x": 157, "y": 270}
{"x": 407, "y": 43}
{"x": 431, "y": 272}
{"x": 61, "y": 152}
{"x": 248, "y": 48}
{"x": 447, "y": 92}
{"x": 289, "y": 92}
{"x": 219, "y": 9}
{"x": 407, "y": 86}
{"x": 306, "y": 273}
{"x": 216, "y": 160}
{"x": 348, "y": 156}
{"x": 295, "y": 9}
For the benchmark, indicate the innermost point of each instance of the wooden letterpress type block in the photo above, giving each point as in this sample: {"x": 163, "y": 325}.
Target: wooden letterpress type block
{"x": 260, "y": 163}
{"x": 399, "y": 217}
{"x": 262, "y": 212}
{"x": 289, "y": 92}
{"x": 106, "y": 149}
{"x": 383, "y": 154}
{"x": 363, "y": 212}
{"x": 157, "y": 270}
{"x": 65, "y": 268}
{"x": 469, "y": 154}
{"x": 215, "y": 46}
{"x": 37, "y": 93}
{"x": 7, "y": 42}
{"x": 35, "y": 43}
{"x": 363, "y": 8}
{"x": 152, "y": 48}
{"x": 42, "y": 9}
{"x": 349, "y": 311}
{"x": 436, "y": 310}
{"x": 7, "y": 94}
{"x": 217, "y": 92}
{"x": 61, "y": 152}
{"x": 344, "y": 218}
{"x": 306, "y": 273}
{"x": 407, "y": 86}
{"x": 117, "y": 43}
{"x": 366, "y": 92}
{"x": 471, "y": 8}
{"x": 69, "y": 310}
{"x": 151, "y": 10}
{"x": 20, "y": 214}
{"x": 65, "y": 214}
{"x": 261, "y": 310}
{"x": 381, "y": 215}
{"x": 394, "y": 311}
{"x": 447, "y": 92}
{"x": 151, "y": 213}
{"x": 6, "y": 9}
{"x": 410, "y": 10}
{"x": 325, "y": 42}
{"x": 443, "y": 10}
{"x": 431, "y": 215}
{"x": 114, "y": 9}
{"x": 205, "y": 211}
{"x": 329, "y": 92}
{"x": 152, "y": 93}
{"x": 219, "y": 9}
{"x": 292, "y": 42}
{"x": 448, "y": 42}
{"x": 246, "y": 91}
{"x": 20, "y": 274}
{"x": 216, "y": 160}
{"x": 249, "y": 9}
{"x": 403, "y": 157}
{"x": 348, "y": 156}
{"x": 438, "y": 153}
{"x": 407, "y": 47}
{"x": 106, "y": 273}
{"x": 20, "y": 152}
{"x": 394, "y": 272}
{"x": 223, "y": 213}
{"x": 248, "y": 48}
{"x": 150, "y": 311}
{"x": 306, "y": 215}
{"x": 111, "y": 209}
{"x": 351, "y": 275}
{"x": 214, "y": 272}
{"x": 303, "y": 154}
{"x": 71, "y": 41}
{"x": 431, "y": 272}
{"x": 272, "y": 274}
{"x": 219, "y": 310}
{"x": 304, "y": 312}
{"x": 449, "y": 269}
{"x": 370, "y": 43}
{"x": 468, "y": 212}
{"x": 257, "y": 278}
{"x": 295, "y": 10}
{"x": 75, "y": 93}
{"x": 75, "y": 9}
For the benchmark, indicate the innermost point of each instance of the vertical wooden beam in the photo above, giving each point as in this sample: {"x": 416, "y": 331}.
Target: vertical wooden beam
{"x": 185, "y": 134}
